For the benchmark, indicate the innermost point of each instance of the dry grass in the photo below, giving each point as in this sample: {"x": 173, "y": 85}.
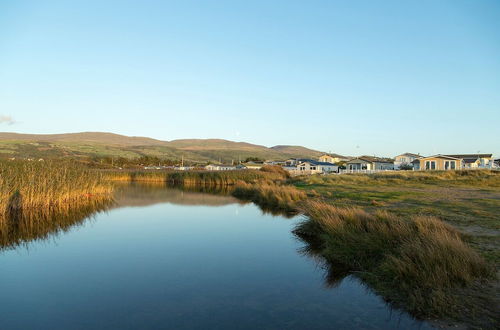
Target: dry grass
{"x": 27, "y": 186}
{"x": 415, "y": 262}
{"x": 462, "y": 177}
{"x": 268, "y": 194}
{"x": 195, "y": 177}
{"x": 275, "y": 169}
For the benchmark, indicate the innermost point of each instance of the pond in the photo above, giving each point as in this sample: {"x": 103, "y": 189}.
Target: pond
{"x": 169, "y": 258}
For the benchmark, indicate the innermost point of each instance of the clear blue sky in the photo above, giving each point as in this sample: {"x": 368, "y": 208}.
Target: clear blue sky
{"x": 353, "y": 77}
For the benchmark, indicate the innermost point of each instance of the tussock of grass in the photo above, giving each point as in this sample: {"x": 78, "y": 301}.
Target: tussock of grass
{"x": 280, "y": 197}
{"x": 41, "y": 186}
{"x": 275, "y": 169}
{"x": 415, "y": 262}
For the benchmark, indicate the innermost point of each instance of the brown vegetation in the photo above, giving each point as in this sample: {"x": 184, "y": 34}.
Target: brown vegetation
{"x": 418, "y": 262}
{"x": 40, "y": 186}
{"x": 281, "y": 197}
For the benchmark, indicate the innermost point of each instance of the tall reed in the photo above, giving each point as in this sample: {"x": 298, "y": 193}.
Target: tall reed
{"x": 195, "y": 177}
{"x": 48, "y": 185}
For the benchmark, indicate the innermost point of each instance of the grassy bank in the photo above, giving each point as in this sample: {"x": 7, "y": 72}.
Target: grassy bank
{"x": 427, "y": 241}
{"x": 208, "y": 178}
{"x": 270, "y": 195}
{"x": 415, "y": 262}
{"x": 48, "y": 186}
{"x": 468, "y": 200}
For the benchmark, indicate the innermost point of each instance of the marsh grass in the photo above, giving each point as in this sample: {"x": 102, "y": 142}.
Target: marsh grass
{"x": 271, "y": 195}
{"x": 47, "y": 186}
{"x": 195, "y": 177}
{"x": 414, "y": 262}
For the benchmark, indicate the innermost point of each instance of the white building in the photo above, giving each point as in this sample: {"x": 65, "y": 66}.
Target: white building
{"x": 220, "y": 167}
{"x": 312, "y": 167}
{"x": 367, "y": 163}
{"x": 405, "y": 159}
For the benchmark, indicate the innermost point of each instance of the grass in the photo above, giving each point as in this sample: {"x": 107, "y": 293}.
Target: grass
{"x": 427, "y": 241}
{"x": 414, "y": 262}
{"x": 270, "y": 195}
{"x": 209, "y": 178}
{"x": 47, "y": 186}
{"x": 469, "y": 200}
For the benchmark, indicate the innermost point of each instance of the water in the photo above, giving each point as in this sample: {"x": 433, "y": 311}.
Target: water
{"x": 165, "y": 258}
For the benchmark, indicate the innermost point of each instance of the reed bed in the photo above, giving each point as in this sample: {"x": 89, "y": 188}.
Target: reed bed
{"x": 415, "y": 262}
{"x": 47, "y": 186}
{"x": 271, "y": 195}
{"x": 208, "y": 178}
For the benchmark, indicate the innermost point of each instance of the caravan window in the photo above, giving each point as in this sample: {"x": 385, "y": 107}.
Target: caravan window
{"x": 453, "y": 165}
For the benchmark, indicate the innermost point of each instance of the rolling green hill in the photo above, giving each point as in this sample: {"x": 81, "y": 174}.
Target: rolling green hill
{"x": 92, "y": 144}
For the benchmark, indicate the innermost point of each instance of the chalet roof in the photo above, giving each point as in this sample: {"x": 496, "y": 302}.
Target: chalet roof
{"x": 409, "y": 154}
{"x": 371, "y": 159}
{"x": 315, "y": 162}
{"x": 471, "y": 156}
{"x": 441, "y": 156}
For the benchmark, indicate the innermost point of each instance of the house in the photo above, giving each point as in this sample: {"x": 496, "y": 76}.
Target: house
{"x": 275, "y": 162}
{"x": 405, "y": 159}
{"x": 369, "y": 163}
{"x": 310, "y": 166}
{"x": 332, "y": 158}
{"x": 253, "y": 165}
{"x": 475, "y": 160}
{"x": 456, "y": 162}
{"x": 220, "y": 167}
{"x": 416, "y": 164}
{"x": 440, "y": 163}
{"x": 292, "y": 162}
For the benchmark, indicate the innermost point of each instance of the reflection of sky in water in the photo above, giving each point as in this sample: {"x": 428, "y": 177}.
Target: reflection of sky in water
{"x": 176, "y": 266}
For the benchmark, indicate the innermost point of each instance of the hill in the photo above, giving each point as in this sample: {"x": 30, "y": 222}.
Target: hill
{"x": 99, "y": 144}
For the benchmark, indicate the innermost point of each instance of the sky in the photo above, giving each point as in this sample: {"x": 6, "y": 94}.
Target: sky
{"x": 351, "y": 77}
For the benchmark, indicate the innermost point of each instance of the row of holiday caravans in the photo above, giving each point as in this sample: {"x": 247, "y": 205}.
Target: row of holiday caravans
{"x": 444, "y": 162}
{"x": 328, "y": 163}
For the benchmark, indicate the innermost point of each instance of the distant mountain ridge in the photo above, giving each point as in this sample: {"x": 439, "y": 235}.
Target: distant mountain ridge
{"x": 116, "y": 145}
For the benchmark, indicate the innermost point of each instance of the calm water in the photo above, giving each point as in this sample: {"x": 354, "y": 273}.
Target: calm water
{"x": 164, "y": 258}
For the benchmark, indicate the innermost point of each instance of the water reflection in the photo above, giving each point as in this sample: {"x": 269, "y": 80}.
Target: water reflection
{"x": 146, "y": 194}
{"x": 177, "y": 258}
{"x": 20, "y": 227}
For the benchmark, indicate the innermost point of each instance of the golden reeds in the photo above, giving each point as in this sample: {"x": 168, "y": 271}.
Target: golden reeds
{"x": 27, "y": 186}
{"x": 415, "y": 262}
